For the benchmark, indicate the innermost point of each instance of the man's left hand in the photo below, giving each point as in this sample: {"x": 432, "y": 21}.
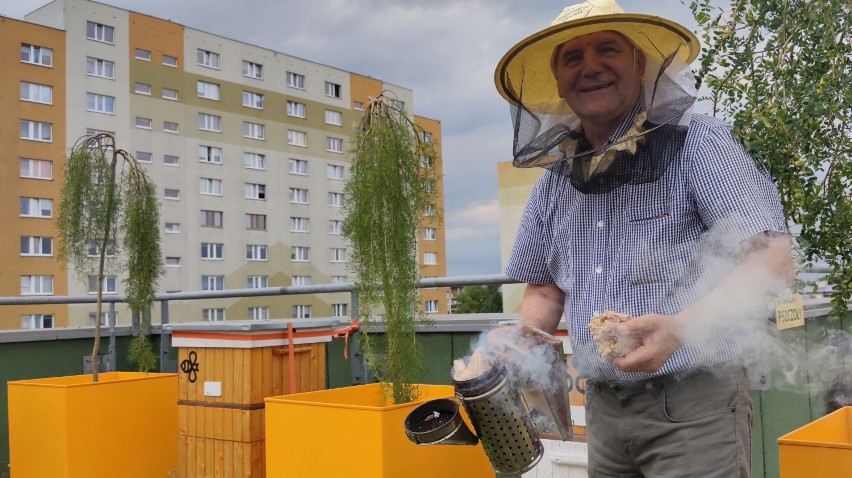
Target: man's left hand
{"x": 659, "y": 337}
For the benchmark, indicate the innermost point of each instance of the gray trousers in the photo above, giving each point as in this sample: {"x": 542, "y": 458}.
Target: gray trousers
{"x": 695, "y": 426}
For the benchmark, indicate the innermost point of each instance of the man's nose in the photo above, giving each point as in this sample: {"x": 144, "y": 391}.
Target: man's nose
{"x": 591, "y": 64}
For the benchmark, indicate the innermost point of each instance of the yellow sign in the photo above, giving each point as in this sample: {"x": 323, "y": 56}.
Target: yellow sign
{"x": 789, "y": 313}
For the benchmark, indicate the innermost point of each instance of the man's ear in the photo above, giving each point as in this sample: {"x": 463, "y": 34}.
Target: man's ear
{"x": 640, "y": 62}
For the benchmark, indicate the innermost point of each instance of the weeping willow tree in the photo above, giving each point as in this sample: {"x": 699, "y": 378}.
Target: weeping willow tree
{"x": 385, "y": 197}
{"x": 115, "y": 214}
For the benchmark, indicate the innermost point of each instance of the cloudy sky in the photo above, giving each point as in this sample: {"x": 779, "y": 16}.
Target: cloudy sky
{"x": 444, "y": 50}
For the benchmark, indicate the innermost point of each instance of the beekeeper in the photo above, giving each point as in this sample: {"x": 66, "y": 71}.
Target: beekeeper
{"x": 636, "y": 191}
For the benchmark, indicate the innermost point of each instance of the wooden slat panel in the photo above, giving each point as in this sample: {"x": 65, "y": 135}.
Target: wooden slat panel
{"x": 239, "y": 469}
{"x": 277, "y": 375}
{"x": 219, "y": 357}
{"x": 256, "y": 374}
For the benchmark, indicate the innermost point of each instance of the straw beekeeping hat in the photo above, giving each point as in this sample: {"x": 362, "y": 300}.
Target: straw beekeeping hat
{"x": 657, "y": 37}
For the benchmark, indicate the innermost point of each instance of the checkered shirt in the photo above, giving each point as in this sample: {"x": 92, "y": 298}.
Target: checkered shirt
{"x": 634, "y": 249}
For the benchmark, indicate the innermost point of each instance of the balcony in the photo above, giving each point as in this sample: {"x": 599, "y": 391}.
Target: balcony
{"x": 30, "y": 354}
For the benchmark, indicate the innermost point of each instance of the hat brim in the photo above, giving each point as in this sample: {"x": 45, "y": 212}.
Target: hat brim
{"x": 654, "y": 35}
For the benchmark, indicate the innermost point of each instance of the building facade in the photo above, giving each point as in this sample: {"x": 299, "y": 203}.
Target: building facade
{"x": 247, "y": 146}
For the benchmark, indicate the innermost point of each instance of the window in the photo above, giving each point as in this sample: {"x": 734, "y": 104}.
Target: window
{"x": 252, "y": 70}
{"x": 335, "y": 172}
{"x": 301, "y": 280}
{"x": 94, "y": 250}
{"x": 257, "y": 282}
{"x": 211, "y": 218}
{"x": 171, "y": 127}
{"x": 333, "y": 118}
{"x": 339, "y": 279}
{"x": 143, "y": 122}
{"x": 109, "y": 285}
{"x": 141, "y": 54}
{"x": 253, "y": 100}
{"x": 36, "y": 246}
{"x": 171, "y": 160}
{"x": 253, "y": 130}
{"x": 36, "y": 93}
{"x": 212, "y": 315}
{"x": 335, "y": 199}
{"x": 398, "y": 104}
{"x": 338, "y": 254}
{"x": 295, "y": 80}
{"x": 212, "y": 251}
{"x": 209, "y": 186}
{"x": 339, "y": 310}
{"x": 332, "y": 89}
{"x": 429, "y": 210}
{"x": 99, "y": 67}
{"x": 36, "y": 207}
{"x": 212, "y": 282}
{"x": 36, "y": 131}
{"x": 296, "y": 109}
{"x": 298, "y": 196}
{"x": 254, "y": 160}
{"x": 299, "y": 166}
{"x": 104, "y": 318}
{"x": 300, "y": 254}
{"x": 426, "y": 136}
{"x": 208, "y": 90}
{"x": 358, "y": 105}
{"x": 335, "y": 227}
{"x": 36, "y": 55}
{"x": 36, "y": 168}
{"x": 171, "y": 193}
{"x": 430, "y": 258}
{"x": 170, "y": 94}
{"x": 142, "y": 88}
{"x": 256, "y": 222}
{"x": 100, "y": 103}
{"x": 255, "y": 191}
{"x": 335, "y": 145}
{"x": 300, "y": 224}
{"x": 208, "y": 122}
{"x": 36, "y": 285}
{"x": 258, "y": 313}
{"x": 172, "y": 227}
{"x": 169, "y": 60}
{"x": 431, "y": 306}
{"x": 302, "y": 311}
{"x": 172, "y": 261}
{"x": 427, "y": 162}
{"x": 208, "y": 58}
{"x": 210, "y": 154}
{"x": 37, "y": 321}
{"x": 429, "y": 233}
{"x": 99, "y": 32}
{"x": 144, "y": 156}
{"x": 256, "y": 252}
{"x": 297, "y": 138}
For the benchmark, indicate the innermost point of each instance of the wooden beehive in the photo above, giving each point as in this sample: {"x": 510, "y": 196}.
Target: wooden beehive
{"x": 226, "y": 371}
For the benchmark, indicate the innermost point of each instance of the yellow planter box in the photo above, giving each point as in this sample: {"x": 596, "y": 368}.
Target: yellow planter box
{"x": 347, "y": 432}
{"x": 821, "y": 448}
{"x": 69, "y": 427}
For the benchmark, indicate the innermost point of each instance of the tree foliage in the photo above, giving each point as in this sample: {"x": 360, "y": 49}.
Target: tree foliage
{"x": 480, "y": 299}
{"x": 116, "y": 214}
{"x": 384, "y": 200}
{"x": 781, "y": 72}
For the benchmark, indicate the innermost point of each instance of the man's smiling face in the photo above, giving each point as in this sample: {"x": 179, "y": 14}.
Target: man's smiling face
{"x": 600, "y": 77}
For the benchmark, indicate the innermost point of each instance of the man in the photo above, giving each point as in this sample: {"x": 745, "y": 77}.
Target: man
{"x": 651, "y": 211}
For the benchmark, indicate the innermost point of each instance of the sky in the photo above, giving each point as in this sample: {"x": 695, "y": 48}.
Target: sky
{"x": 444, "y": 50}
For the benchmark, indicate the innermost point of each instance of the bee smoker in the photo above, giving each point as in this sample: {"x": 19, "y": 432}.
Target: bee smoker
{"x": 511, "y": 415}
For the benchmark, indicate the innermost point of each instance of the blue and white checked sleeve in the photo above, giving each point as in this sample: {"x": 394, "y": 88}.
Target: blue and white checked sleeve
{"x": 528, "y": 261}
{"x": 732, "y": 195}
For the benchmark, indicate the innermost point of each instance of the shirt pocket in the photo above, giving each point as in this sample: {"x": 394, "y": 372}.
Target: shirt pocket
{"x": 650, "y": 236}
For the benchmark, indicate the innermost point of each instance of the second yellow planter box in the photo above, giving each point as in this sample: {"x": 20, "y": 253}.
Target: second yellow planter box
{"x": 348, "y": 432}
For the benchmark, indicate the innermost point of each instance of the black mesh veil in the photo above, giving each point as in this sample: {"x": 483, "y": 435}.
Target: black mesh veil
{"x": 547, "y": 133}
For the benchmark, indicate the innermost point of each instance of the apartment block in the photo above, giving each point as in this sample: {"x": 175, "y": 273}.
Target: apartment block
{"x": 247, "y": 146}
